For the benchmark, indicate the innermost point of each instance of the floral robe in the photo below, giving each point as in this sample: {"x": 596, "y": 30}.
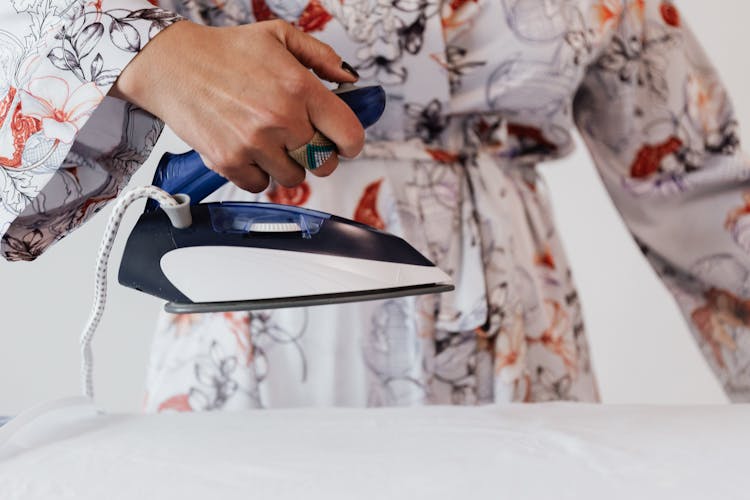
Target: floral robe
{"x": 480, "y": 91}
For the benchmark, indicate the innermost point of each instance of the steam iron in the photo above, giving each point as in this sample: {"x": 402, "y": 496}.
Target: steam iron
{"x": 241, "y": 256}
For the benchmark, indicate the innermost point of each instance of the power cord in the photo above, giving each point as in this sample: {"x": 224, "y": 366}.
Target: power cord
{"x": 177, "y": 208}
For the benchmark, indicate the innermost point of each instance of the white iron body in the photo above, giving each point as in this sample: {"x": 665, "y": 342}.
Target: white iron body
{"x": 245, "y": 256}
{"x": 231, "y": 274}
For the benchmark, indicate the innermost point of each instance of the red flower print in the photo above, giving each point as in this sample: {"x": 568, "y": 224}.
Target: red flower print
{"x": 314, "y": 17}
{"x": 367, "y": 208}
{"x": 457, "y": 4}
{"x": 670, "y": 14}
{"x": 545, "y": 259}
{"x": 531, "y": 134}
{"x": 261, "y": 11}
{"x": 487, "y": 133}
{"x": 442, "y": 156}
{"x": 734, "y": 216}
{"x": 649, "y": 157}
{"x": 239, "y": 325}
{"x": 639, "y": 6}
{"x": 296, "y": 196}
{"x": 558, "y": 336}
{"x": 721, "y": 310}
{"x": 458, "y": 13}
{"x": 180, "y": 402}
{"x": 183, "y": 323}
{"x": 510, "y": 352}
{"x": 5, "y": 104}
{"x": 62, "y": 110}
{"x": 91, "y": 205}
{"x": 73, "y": 172}
{"x": 22, "y": 127}
{"x": 607, "y": 11}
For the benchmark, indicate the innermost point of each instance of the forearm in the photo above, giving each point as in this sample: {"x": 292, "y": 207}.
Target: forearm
{"x": 58, "y": 60}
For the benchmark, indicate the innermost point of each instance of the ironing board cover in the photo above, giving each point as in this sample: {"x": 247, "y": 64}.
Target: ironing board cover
{"x": 68, "y": 449}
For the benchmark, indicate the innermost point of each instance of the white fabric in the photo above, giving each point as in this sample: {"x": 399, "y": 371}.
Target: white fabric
{"x": 553, "y": 450}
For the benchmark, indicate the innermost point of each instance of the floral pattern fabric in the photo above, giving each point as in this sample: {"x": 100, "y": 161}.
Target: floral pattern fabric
{"x": 65, "y": 148}
{"x": 480, "y": 91}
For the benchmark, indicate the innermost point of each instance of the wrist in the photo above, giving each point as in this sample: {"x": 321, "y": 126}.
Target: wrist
{"x": 148, "y": 68}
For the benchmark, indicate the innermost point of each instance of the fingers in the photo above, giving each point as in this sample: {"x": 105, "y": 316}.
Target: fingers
{"x": 314, "y": 54}
{"x": 247, "y": 176}
{"x": 266, "y": 155}
{"x": 331, "y": 116}
{"x": 255, "y": 117}
{"x": 277, "y": 162}
{"x": 250, "y": 178}
{"x": 326, "y": 112}
{"x": 303, "y": 138}
{"x": 286, "y": 171}
{"x": 327, "y": 167}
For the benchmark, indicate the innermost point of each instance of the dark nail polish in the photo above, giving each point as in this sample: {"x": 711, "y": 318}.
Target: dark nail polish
{"x": 348, "y": 68}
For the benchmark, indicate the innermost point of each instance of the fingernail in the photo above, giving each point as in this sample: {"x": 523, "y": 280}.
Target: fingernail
{"x": 348, "y": 68}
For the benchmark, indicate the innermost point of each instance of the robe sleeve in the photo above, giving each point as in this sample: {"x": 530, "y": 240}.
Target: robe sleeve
{"x": 66, "y": 148}
{"x": 663, "y": 135}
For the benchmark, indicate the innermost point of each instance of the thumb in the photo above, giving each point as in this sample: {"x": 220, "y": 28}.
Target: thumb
{"x": 314, "y": 54}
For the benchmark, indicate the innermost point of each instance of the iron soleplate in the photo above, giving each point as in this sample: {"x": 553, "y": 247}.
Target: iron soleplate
{"x": 306, "y": 301}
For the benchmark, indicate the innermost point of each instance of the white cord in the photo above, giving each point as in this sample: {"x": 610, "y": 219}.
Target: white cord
{"x": 100, "y": 284}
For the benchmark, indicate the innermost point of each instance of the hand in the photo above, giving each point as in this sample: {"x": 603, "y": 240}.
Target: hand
{"x": 243, "y": 96}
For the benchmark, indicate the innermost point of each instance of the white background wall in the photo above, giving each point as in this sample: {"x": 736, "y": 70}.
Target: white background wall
{"x": 642, "y": 349}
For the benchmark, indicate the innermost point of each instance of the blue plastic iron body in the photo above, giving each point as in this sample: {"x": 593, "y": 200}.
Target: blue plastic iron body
{"x": 314, "y": 252}
{"x": 186, "y": 173}
{"x": 246, "y": 225}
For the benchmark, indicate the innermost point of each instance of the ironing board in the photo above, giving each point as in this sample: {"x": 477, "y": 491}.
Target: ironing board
{"x": 540, "y": 451}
